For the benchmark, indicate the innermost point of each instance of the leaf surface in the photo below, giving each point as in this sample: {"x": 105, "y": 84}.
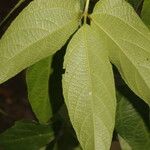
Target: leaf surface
{"x": 146, "y": 12}
{"x": 128, "y": 42}
{"x": 124, "y": 145}
{"x": 40, "y": 30}
{"x": 135, "y": 3}
{"x": 37, "y": 77}
{"x": 131, "y": 122}
{"x": 89, "y": 90}
{"x": 26, "y": 136}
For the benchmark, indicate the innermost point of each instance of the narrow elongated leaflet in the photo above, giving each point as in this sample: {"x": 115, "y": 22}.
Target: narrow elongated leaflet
{"x": 39, "y": 31}
{"x": 128, "y": 41}
{"x": 26, "y": 136}
{"x": 37, "y": 77}
{"x": 89, "y": 90}
{"x": 130, "y": 122}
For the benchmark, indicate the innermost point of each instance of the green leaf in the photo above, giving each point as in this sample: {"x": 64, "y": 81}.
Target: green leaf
{"x": 130, "y": 122}
{"x": 146, "y": 12}
{"x": 124, "y": 145}
{"x": 128, "y": 41}
{"x": 82, "y": 3}
{"x": 135, "y": 3}
{"x": 89, "y": 90}
{"x": 37, "y": 78}
{"x": 78, "y": 148}
{"x": 26, "y": 136}
{"x": 39, "y": 31}
{"x": 43, "y": 148}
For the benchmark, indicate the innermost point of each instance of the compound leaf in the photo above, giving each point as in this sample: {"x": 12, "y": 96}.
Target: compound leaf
{"x": 37, "y": 77}
{"x": 128, "y": 41}
{"x": 89, "y": 90}
{"x": 40, "y": 30}
{"x": 26, "y": 135}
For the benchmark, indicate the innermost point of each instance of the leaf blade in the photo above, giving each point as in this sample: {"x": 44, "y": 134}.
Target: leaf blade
{"x": 135, "y": 3}
{"x": 124, "y": 145}
{"x": 89, "y": 97}
{"x": 130, "y": 122}
{"x": 35, "y": 32}
{"x": 37, "y": 78}
{"x": 146, "y": 13}
{"x": 26, "y": 135}
{"x": 124, "y": 34}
